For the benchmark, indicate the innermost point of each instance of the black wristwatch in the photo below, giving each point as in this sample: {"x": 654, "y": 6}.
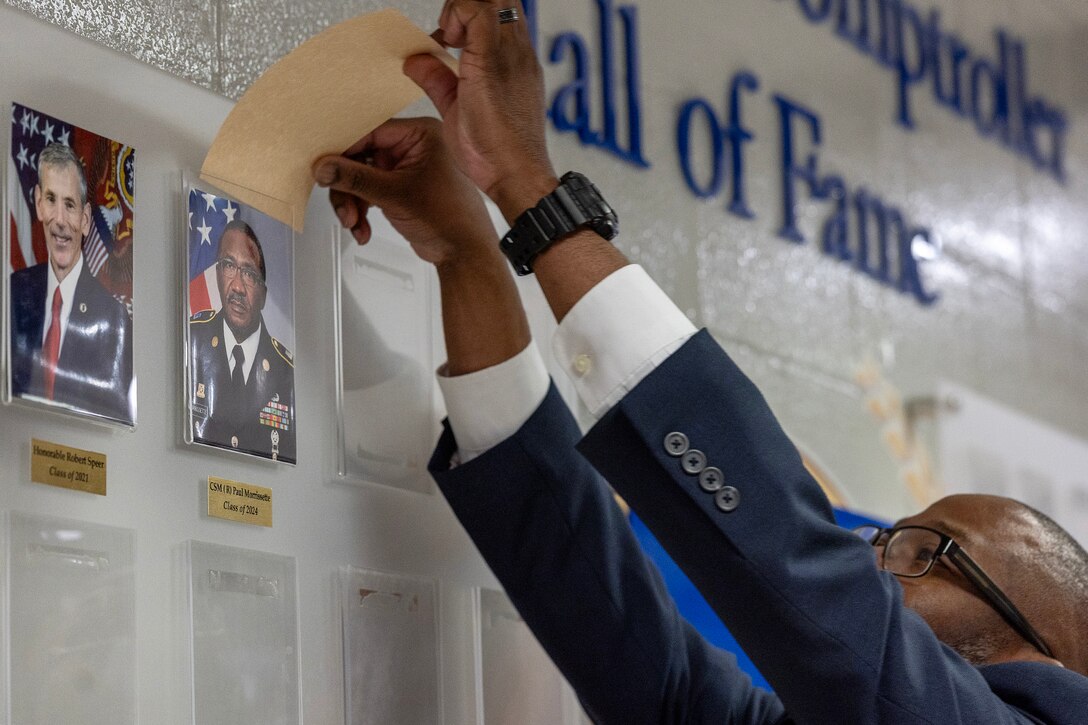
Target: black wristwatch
{"x": 575, "y": 204}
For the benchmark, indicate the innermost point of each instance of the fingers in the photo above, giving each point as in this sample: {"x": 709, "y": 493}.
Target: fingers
{"x": 351, "y": 211}
{"x": 435, "y": 78}
{"x": 518, "y": 28}
{"x": 354, "y": 187}
{"x": 389, "y": 136}
{"x": 368, "y": 183}
{"x": 472, "y": 24}
{"x": 346, "y": 208}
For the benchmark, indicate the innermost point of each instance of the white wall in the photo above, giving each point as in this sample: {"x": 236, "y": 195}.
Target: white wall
{"x": 1012, "y": 324}
{"x": 156, "y": 483}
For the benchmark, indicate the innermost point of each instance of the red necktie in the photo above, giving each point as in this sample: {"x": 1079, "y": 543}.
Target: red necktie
{"x": 51, "y": 349}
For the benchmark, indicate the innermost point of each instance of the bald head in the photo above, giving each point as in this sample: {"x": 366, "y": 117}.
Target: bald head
{"x": 1061, "y": 591}
{"x": 1035, "y": 562}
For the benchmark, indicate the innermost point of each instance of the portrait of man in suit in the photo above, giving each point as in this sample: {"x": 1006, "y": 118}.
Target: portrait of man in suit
{"x": 243, "y": 389}
{"x": 71, "y": 340}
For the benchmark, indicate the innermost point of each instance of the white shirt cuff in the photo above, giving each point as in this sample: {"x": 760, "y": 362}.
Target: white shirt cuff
{"x": 616, "y": 335}
{"x": 488, "y": 406}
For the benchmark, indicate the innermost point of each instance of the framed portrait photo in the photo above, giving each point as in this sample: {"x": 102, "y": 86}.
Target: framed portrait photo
{"x": 240, "y": 328}
{"x": 70, "y": 202}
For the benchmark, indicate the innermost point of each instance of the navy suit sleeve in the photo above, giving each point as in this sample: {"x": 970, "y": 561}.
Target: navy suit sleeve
{"x": 802, "y": 596}
{"x": 553, "y": 535}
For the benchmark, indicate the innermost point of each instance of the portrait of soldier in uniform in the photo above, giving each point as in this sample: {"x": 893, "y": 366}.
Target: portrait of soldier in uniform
{"x": 242, "y": 394}
{"x": 71, "y": 268}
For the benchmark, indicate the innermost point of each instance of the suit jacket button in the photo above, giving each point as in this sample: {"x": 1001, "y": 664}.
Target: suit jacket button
{"x": 711, "y": 479}
{"x": 693, "y": 462}
{"x": 727, "y": 500}
{"x": 676, "y": 444}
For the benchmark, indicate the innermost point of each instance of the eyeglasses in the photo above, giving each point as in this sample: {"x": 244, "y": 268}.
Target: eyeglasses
{"x": 911, "y": 552}
{"x": 250, "y": 276}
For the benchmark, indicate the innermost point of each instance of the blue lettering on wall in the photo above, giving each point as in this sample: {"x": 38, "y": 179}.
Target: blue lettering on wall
{"x": 791, "y": 171}
{"x": 862, "y": 230}
{"x": 991, "y": 91}
{"x": 734, "y": 133}
{"x": 529, "y": 6}
{"x": 816, "y": 10}
{"x": 896, "y": 242}
{"x": 709, "y": 117}
{"x": 570, "y": 105}
{"x": 571, "y": 108}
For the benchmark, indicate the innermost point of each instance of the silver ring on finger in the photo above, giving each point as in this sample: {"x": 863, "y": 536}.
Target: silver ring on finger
{"x": 509, "y": 15}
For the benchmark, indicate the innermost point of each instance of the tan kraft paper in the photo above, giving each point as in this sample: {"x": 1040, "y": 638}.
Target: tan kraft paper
{"x": 319, "y": 99}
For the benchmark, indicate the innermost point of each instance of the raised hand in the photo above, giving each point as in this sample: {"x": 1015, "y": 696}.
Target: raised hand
{"x": 493, "y": 111}
{"x": 403, "y": 168}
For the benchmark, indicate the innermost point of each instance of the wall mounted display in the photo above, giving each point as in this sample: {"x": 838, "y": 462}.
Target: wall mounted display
{"x": 240, "y": 328}
{"x": 391, "y": 670}
{"x": 387, "y": 418}
{"x": 244, "y": 628}
{"x": 72, "y": 607}
{"x": 70, "y": 200}
{"x": 519, "y": 684}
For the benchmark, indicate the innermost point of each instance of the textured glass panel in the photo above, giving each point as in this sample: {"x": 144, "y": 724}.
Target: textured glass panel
{"x": 175, "y": 35}
{"x": 256, "y": 33}
{"x": 780, "y": 297}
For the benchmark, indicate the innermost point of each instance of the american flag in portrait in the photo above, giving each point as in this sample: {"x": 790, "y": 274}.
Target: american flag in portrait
{"x": 109, "y": 167}
{"x": 208, "y": 217}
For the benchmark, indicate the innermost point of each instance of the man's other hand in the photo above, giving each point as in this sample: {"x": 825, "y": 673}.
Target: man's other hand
{"x": 404, "y": 168}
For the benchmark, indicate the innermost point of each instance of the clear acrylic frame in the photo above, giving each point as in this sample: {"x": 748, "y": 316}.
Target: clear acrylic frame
{"x": 517, "y": 683}
{"x": 387, "y": 420}
{"x": 243, "y": 627}
{"x": 72, "y": 619}
{"x": 258, "y": 418}
{"x": 391, "y": 648}
{"x": 90, "y": 388}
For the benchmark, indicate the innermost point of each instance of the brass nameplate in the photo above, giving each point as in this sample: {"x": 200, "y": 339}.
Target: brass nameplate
{"x": 241, "y": 502}
{"x": 64, "y": 467}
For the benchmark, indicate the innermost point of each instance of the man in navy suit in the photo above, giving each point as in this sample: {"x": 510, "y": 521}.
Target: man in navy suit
{"x": 972, "y": 611}
{"x": 71, "y": 341}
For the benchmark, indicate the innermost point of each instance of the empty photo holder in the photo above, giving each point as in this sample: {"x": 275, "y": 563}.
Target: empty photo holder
{"x": 390, "y": 626}
{"x": 519, "y": 684}
{"x": 244, "y": 634}
{"x": 239, "y": 327}
{"x": 72, "y": 609}
{"x": 388, "y": 423}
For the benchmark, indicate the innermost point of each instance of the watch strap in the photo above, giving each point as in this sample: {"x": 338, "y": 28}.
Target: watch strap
{"x": 574, "y": 204}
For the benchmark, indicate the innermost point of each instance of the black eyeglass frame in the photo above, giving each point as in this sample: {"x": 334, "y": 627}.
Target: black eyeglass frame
{"x": 970, "y": 569}
{"x": 251, "y": 277}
